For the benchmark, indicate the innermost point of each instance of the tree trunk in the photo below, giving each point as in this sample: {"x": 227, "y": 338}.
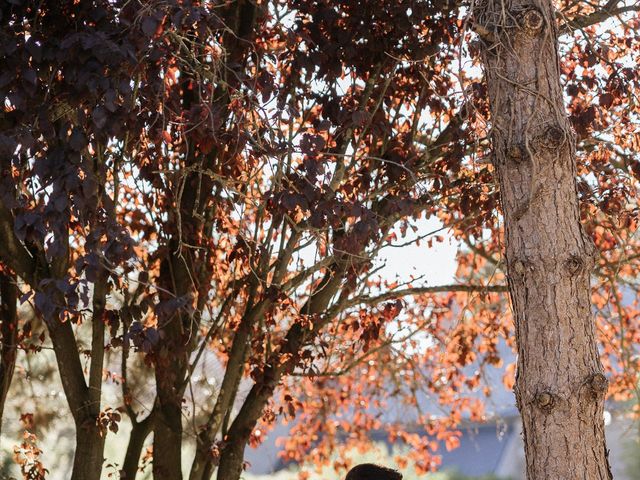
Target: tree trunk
{"x": 8, "y": 335}
{"x": 89, "y": 454}
{"x": 560, "y": 387}
{"x": 167, "y": 439}
{"x": 232, "y": 458}
{"x": 88, "y": 458}
{"x": 139, "y": 433}
{"x": 202, "y": 467}
{"x": 237, "y": 438}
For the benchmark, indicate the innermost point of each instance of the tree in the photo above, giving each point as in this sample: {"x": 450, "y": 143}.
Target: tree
{"x": 560, "y": 385}
{"x": 189, "y": 186}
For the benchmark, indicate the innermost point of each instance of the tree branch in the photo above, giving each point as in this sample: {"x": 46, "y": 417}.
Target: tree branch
{"x": 609, "y": 10}
{"x": 97, "y": 341}
{"x": 12, "y": 251}
{"x": 362, "y": 299}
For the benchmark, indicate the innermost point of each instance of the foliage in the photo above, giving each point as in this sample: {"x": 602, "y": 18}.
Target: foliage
{"x": 376, "y": 454}
{"x": 193, "y": 195}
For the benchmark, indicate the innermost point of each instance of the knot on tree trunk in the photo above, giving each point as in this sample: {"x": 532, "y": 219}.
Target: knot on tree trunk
{"x": 575, "y": 264}
{"x": 598, "y": 383}
{"x": 552, "y": 138}
{"x": 532, "y": 21}
{"x": 544, "y": 401}
{"x": 518, "y": 269}
{"x": 517, "y": 153}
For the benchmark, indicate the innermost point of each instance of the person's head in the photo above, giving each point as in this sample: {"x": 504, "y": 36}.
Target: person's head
{"x": 369, "y": 471}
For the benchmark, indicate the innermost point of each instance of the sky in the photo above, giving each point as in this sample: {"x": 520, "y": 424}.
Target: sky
{"x": 435, "y": 265}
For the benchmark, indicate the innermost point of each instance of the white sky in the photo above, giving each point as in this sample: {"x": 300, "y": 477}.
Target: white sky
{"x": 435, "y": 265}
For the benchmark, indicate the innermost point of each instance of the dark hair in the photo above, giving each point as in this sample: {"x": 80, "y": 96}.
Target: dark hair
{"x": 370, "y": 471}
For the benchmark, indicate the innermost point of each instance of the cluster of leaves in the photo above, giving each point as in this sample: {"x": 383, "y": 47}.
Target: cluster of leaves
{"x": 189, "y": 187}
{"x": 27, "y": 454}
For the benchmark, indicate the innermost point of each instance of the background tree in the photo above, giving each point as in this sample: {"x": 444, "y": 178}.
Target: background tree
{"x": 198, "y": 187}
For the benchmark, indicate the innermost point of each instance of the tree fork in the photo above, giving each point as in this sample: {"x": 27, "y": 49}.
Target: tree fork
{"x": 560, "y": 388}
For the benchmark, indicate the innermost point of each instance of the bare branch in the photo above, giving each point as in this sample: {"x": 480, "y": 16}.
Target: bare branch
{"x": 368, "y": 300}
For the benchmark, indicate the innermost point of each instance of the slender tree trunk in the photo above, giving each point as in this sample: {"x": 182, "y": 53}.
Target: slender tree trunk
{"x": 560, "y": 387}
{"x": 89, "y": 454}
{"x": 237, "y": 438}
{"x": 201, "y": 461}
{"x": 8, "y": 335}
{"x": 139, "y": 434}
{"x": 202, "y": 466}
{"x": 171, "y": 368}
{"x": 167, "y": 438}
{"x": 240, "y": 19}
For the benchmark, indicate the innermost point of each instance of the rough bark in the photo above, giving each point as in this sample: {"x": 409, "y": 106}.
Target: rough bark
{"x": 560, "y": 387}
